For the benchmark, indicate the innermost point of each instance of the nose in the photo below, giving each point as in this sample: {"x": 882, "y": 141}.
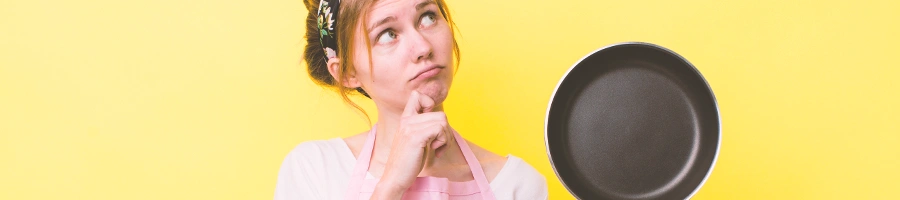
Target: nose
{"x": 421, "y": 47}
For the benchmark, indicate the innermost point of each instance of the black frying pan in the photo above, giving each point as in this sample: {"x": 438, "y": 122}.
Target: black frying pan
{"x": 633, "y": 121}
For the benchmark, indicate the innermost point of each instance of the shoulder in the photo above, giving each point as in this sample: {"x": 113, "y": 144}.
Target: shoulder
{"x": 519, "y": 180}
{"x": 311, "y": 156}
{"x": 315, "y": 169}
{"x": 315, "y": 150}
{"x": 335, "y": 152}
{"x": 510, "y": 177}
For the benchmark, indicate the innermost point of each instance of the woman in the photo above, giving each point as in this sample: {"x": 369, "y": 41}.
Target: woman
{"x": 400, "y": 54}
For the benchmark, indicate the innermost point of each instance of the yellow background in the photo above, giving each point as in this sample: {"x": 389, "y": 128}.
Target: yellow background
{"x": 170, "y": 99}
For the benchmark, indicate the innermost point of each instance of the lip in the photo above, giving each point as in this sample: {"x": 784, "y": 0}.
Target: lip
{"x": 427, "y": 72}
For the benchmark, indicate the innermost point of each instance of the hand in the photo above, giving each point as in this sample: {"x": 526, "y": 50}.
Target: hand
{"x": 421, "y": 137}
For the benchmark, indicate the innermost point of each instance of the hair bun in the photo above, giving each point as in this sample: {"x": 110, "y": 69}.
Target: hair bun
{"x": 311, "y": 5}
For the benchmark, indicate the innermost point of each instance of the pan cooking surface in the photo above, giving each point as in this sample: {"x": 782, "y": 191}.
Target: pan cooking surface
{"x": 633, "y": 121}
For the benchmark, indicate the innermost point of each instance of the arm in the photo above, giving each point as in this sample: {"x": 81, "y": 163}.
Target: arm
{"x": 422, "y": 136}
{"x": 387, "y": 191}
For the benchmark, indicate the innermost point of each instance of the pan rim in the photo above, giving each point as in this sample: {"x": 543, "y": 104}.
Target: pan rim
{"x": 666, "y": 50}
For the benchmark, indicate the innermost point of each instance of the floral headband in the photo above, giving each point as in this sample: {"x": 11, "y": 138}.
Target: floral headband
{"x": 328, "y": 12}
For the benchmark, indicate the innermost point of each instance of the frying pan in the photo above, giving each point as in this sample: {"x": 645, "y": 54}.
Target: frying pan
{"x": 632, "y": 121}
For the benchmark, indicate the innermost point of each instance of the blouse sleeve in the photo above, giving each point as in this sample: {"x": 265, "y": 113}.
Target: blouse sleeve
{"x": 520, "y": 182}
{"x": 534, "y": 184}
{"x": 295, "y": 176}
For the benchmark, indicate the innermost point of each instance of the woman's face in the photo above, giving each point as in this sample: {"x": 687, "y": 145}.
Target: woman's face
{"x": 411, "y": 50}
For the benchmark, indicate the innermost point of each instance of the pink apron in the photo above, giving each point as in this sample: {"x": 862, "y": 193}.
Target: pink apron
{"x": 424, "y": 187}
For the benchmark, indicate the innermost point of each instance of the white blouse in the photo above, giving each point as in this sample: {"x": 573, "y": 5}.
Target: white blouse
{"x": 320, "y": 169}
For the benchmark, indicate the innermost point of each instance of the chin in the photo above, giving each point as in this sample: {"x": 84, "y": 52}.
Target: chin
{"x": 437, "y": 90}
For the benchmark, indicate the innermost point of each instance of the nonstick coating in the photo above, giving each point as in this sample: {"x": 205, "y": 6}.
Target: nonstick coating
{"x": 633, "y": 121}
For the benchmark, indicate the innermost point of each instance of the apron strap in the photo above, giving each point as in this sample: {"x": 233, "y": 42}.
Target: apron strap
{"x": 475, "y": 166}
{"x": 361, "y": 167}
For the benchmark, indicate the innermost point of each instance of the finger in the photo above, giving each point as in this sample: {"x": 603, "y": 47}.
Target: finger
{"x": 426, "y": 119}
{"x": 412, "y": 105}
{"x": 421, "y": 135}
{"x": 441, "y": 140}
{"x": 426, "y": 103}
{"x": 450, "y": 138}
{"x": 428, "y": 149}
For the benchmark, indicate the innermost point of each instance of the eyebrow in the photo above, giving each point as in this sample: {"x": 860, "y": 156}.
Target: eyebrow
{"x": 386, "y": 20}
{"x": 383, "y": 21}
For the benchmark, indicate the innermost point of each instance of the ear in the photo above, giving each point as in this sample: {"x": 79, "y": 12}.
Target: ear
{"x": 349, "y": 80}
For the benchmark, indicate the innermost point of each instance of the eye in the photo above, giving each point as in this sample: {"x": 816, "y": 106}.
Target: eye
{"x": 386, "y": 37}
{"x": 427, "y": 19}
